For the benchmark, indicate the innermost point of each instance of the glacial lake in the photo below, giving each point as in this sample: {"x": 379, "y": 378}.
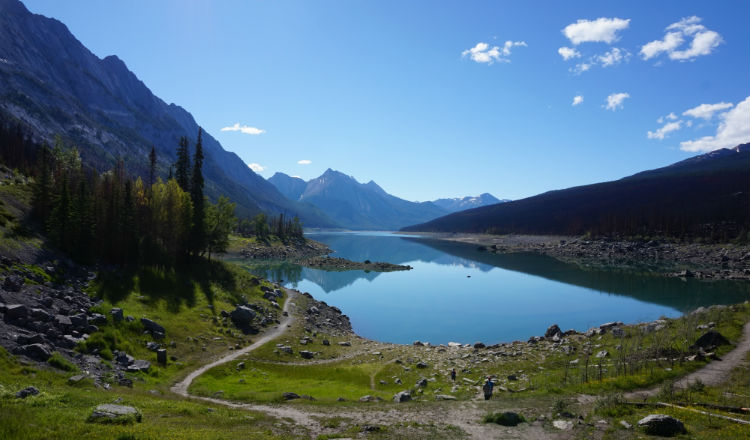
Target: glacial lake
{"x": 456, "y": 293}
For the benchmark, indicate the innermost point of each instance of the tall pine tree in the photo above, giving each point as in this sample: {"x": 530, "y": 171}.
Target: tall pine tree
{"x": 152, "y": 167}
{"x": 198, "y": 233}
{"x": 182, "y": 167}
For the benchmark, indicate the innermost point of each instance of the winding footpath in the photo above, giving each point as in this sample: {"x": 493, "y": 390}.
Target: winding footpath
{"x": 464, "y": 415}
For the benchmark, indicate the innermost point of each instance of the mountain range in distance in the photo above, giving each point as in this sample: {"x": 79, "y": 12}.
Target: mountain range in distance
{"x": 706, "y": 196}
{"x": 360, "y": 206}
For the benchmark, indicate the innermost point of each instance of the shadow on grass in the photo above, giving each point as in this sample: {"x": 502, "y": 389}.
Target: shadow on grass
{"x": 175, "y": 286}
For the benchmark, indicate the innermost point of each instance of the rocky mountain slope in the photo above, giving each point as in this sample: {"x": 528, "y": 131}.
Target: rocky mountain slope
{"x": 53, "y": 84}
{"x": 706, "y": 196}
{"x": 468, "y": 202}
{"x": 355, "y": 205}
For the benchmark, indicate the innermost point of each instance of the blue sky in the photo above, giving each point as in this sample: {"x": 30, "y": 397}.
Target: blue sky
{"x": 441, "y": 99}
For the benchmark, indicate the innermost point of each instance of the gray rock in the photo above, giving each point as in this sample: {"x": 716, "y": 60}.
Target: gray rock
{"x": 402, "y": 396}
{"x": 709, "y": 340}
{"x": 79, "y": 321}
{"x": 625, "y": 424}
{"x": 444, "y": 397}
{"x": 479, "y": 345}
{"x": 26, "y": 392}
{"x": 116, "y": 314}
{"x": 13, "y": 283}
{"x": 63, "y": 322}
{"x": 153, "y": 346}
{"x": 422, "y": 365}
{"x": 345, "y": 344}
{"x": 139, "y": 365}
{"x": 422, "y": 382}
{"x": 306, "y": 354}
{"x": 123, "y": 358}
{"x": 290, "y": 396}
{"x": 98, "y": 319}
{"x": 662, "y": 424}
{"x": 15, "y": 312}
{"x": 152, "y": 326}
{"x": 618, "y": 332}
{"x": 77, "y": 378}
{"x": 602, "y": 354}
{"x": 108, "y": 413}
{"x": 41, "y": 315}
{"x": 38, "y": 352}
{"x": 564, "y": 425}
{"x": 552, "y": 331}
{"x": 326, "y": 342}
{"x": 369, "y": 398}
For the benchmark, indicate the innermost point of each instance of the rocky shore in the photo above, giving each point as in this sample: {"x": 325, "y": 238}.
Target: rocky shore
{"x": 342, "y": 264}
{"x": 311, "y": 253}
{"x": 670, "y": 258}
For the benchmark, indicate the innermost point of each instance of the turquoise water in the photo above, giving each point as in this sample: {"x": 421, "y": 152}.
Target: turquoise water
{"x": 457, "y": 293}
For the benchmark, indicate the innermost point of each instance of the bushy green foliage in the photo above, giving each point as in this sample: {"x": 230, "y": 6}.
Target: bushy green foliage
{"x": 504, "y": 418}
{"x": 59, "y": 362}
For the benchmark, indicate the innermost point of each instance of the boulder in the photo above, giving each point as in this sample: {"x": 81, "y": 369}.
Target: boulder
{"x": 369, "y": 398}
{"x": 479, "y": 345}
{"x": 422, "y": 365}
{"x": 444, "y": 397}
{"x": 153, "y": 346}
{"x": 16, "y": 311}
{"x": 13, "y": 283}
{"x": 116, "y": 314}
{"x": 79, "y": 321}
{"x": 123, "y": 358}
{"x": 709, "y": 340}
{"x": 139, "y": 365}
{"x": 97, "y": 319}
{"x": 41, "y": 315}
{"x": 26, "y": 392}
{"x": 152, "y": 327}
{"x": 345, "y": 344}
{"x": 38, "y": 352}
{"x": 422, "y": 383}
{"x": 63, "y": 322}
{"x": 662, "y": 424}
{"x": 306, "y": 354}
{"x": 564, "y": 425}
{"x": 402, "y": 396}
{"x": 290, "y": 396}
{"x": 111, "y": 413}
{"x": 552, "y": 331}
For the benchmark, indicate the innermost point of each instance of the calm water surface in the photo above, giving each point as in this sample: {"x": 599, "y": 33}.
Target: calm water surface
{"x": 457, "y": 293}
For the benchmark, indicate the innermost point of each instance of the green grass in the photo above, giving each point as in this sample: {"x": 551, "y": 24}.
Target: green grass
{"x": 59, "y": 362}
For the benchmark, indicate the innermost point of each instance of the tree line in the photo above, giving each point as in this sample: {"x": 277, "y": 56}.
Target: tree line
{"x": 263, "y": 227}
{"x": 112, "y": 217}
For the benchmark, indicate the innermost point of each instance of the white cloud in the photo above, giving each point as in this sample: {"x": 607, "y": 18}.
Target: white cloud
{"x": 578, "y": 99}
{"x": 602, "y": 30}
{"x": 702, "y": 41}
{"x": 568, "y": 53}
{"x": 671, "y": 117}
{"x": 581, "y": 67}
{"x": 734, "y": 129}
{"x": 615, "y": 100}
{"x": 483, "y": 53}
{"x": 707, "y": 111}
{"x": 256, "y": 167}
{"x": 663, "y": 131}
{"x": 244, "y": 129}
{"x": 613, "y": 57}
{"x": 304, "y": 162}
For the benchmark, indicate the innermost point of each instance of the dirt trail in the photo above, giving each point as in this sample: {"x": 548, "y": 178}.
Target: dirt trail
{"x": 712, "y": 374}
{"x": 465, "y": 415}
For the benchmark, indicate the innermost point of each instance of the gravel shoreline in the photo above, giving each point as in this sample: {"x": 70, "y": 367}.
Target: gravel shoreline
{"x": 673, "y": 259}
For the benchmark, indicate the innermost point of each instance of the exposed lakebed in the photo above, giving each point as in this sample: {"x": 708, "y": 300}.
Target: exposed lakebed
{"x": 458, "y": 293}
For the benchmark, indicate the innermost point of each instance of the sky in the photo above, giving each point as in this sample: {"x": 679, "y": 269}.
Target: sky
{"x": 435, "y": 99}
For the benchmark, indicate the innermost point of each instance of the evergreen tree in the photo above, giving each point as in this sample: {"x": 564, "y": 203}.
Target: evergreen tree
{"x": 182, "y": 167}
{"x": 198, "y": 241}
{"x": 58, "y": 223}
{"x": 152, "y": 166}
{"x": 220, "y": 220}
{"x": 42, "y": 193}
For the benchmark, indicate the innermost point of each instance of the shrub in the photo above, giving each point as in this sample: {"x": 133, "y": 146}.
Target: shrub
{"x": 504, "y": 418}
{"x": 58, "y": 361}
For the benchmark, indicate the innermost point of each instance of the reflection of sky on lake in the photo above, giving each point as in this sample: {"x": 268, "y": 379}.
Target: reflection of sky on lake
{"x": 456, "y": 293}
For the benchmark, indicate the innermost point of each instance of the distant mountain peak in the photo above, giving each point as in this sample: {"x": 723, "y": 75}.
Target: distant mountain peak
{"x": 469, "y": 202}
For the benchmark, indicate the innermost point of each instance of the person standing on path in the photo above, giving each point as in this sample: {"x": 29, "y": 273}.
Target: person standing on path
{"x": 487, "y": 388}
{"x": 453, "y": 375}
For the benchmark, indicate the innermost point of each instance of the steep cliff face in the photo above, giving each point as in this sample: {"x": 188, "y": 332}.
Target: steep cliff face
{"x": 52, "y": 83}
